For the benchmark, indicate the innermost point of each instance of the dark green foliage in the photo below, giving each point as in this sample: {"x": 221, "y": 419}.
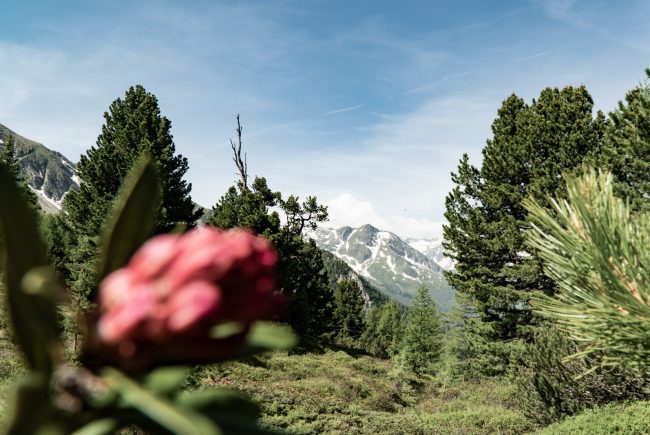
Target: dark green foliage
{"x": 303, "y": 280}
{"x": 627, "y": 140}
{"x": 421, "y": 346}
{"x": 58, "y": 240}
{"x": 532, "y": 145}
{"x": 9, "y": 157}
{"x": 248, "y": 208}
{"x": 349, "y": 309}
{"x": 10, "y": 161}
{"x": 384, "y": 329}
{"x": 133, "y": 126}
{"x": 474, "y": 355}
{"x": 551, "y": 388}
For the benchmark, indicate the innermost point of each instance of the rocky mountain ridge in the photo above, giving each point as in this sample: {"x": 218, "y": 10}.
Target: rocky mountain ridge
{"x": 389, "y": 263}
{"x": 49, "y": 173}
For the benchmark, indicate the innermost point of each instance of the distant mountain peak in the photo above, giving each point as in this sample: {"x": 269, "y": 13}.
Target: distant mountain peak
{"x": 49, "y": 173}
{"x": 390, "y": 264}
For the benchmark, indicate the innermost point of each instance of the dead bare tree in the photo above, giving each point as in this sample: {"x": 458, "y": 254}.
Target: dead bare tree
{"x": 242, "y": 165}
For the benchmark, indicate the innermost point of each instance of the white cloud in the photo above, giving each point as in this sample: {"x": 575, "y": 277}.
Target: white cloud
{"x": 345, "y": 209}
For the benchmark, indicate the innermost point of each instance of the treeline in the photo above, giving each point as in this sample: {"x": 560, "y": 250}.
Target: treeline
{"x": 500, "y": 273}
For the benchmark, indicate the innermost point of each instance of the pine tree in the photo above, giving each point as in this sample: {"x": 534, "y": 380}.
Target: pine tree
{"x": 532, "y": 145}
{"x": 349, "y": 308}
{"x": 421, "y": 347}
{"x": 627, "y": 147}
{"x": 133, "y": 126}
{"x": 302, "y": 277}
{"x": 9, "y": 156}
{"x": 384, "y": 330}
{"x": 11, "y": 162}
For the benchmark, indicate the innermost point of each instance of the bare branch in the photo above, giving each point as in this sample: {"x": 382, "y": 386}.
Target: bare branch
{"x": 242, "y": 164}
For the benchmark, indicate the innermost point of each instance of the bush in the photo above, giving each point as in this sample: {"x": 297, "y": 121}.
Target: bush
{"x": 629, "y": 419}
{"x": 548, "y": 388}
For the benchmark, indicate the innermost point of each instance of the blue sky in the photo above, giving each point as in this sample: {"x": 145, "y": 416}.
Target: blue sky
{"x": 366, "y": 104}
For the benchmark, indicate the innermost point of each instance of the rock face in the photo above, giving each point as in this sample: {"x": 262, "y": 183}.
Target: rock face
{"x": 50, "y": 174}
{"x": 389, "y": 263}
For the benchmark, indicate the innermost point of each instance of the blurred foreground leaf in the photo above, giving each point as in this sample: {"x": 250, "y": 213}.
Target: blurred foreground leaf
{"x": 104, "y": 426}
{"x": 266, "y": 337}
{"x": 232, "y": 411}
{"x": 31, "y": 411}
{"x": 133, "y": 217}
{"x": 32, "y": 308}
{"x": 166, "y": 380}
{"x": 159, "y": 410}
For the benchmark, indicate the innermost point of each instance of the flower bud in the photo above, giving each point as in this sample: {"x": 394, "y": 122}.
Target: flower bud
{"x": 163, "y": 305}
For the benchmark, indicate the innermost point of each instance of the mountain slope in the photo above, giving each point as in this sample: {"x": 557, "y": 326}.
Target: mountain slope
{"x": 433, "y": 249}
{"x": 389, "y": 263}
{"x": 49, "y": 173}
{"x": 338, "y": 270}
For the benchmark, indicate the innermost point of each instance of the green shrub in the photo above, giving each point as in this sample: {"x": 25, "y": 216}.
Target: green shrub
{"x": 549, "y": 388}
{"x": 628, "y": 419}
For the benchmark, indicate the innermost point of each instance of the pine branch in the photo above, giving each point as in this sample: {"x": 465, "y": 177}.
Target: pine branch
{"x": 596, "y": 250}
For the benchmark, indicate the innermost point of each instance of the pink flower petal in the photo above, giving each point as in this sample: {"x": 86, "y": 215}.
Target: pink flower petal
{"x": 154, "y": 256}
{"x": 192, "y": 305}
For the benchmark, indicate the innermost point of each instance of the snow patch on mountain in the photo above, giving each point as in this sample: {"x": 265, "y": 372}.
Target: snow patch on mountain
{"x": 388, "y": 262}
{"x": 434, "y": 250}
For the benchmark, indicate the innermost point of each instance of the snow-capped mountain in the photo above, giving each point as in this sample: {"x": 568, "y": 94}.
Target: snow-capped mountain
{"x": 433, "y": 249}
{"x": 49, "y": 173}
{"x": 389, "y": 263}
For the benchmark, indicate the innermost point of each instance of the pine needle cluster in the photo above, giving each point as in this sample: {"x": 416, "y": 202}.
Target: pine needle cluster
{"x": 596, "y": 249}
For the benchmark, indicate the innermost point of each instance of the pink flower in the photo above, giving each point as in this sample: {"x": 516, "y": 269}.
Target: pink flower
{"x": 163, "y": 305}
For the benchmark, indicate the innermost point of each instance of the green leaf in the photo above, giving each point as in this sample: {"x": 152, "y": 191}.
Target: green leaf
{"x": 133, "y": 218}
{"x": 166, "y": 380}
{"x": 225, "y": 401}
{"x": 104, "y": 426}
{"x": 271, "y": 336}
{"x": 33, "y": 314}
{"x": 234, "y": 413}
{"x": 31, "y": 410}
{"x": 265, "y": 337}
{"x": 159, "y": 410}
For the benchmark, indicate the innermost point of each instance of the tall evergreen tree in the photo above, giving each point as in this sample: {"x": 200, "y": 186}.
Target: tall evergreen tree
{"x": 421, "y": 347}
{"x": 384, "y": 330}
{"x": 9, "y": 156}
{"x": 301, "y": 270}
{"x": 627, "y": 146}
{"x": 532, "y": 145}
{"x": 349, "y": 308}
{"x": 133, "y": 126}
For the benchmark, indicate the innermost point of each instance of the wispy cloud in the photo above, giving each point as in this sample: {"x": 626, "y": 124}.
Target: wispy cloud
{"x": 346, "y": 109}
